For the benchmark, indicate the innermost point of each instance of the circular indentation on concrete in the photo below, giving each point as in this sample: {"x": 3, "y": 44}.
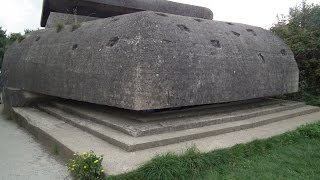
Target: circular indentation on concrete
{"x": 229, "y": 23}
{"x": 262, "y": 57}
{"x": 252, "y": 32}
{"x": 216, "y": 43}
{"x": 198, "y": 20}
{"x": 283, "y": 52}
{"x": 183, "y": 27}
{"x": 213, "y": 53}
{"x": 75, "y": 46}
{"x": 236, "y": 33}
{"x": 114, "y": 19}
{"x": 38, "y": 38}
{"x": 166, "y": 41}
{"x": 161, "y": 14}
{"x": 113, "y": 41}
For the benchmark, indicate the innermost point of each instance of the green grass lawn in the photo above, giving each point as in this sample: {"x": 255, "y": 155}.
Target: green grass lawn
{"x": 293, "y": 155}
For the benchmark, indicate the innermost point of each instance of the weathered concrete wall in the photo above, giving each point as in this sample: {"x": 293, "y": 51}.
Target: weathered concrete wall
{"x": 109, "y": 8}
{"x": 66, "y": 19}
{"x": 151, "y": 60}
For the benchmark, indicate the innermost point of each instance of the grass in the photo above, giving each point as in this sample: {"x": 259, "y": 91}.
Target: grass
{"x": 293, "y": 155}
{"x": 310, "y": 99}
{"x": 59, "y": 26}
{"x": 55, "y": 150}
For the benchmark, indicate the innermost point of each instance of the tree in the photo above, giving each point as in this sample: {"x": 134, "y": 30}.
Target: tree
{"x": 301, "y": 31}
{"x": 3, "y": 43}
{"x": 6, "y": 40}
{"x": 13, "y": 37}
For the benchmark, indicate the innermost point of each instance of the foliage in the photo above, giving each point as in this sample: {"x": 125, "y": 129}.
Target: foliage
{"x": 3, "y": 43}
{"x": 59, "y": 26}
{"x": 27, "y": 31}
{"x": 13, "y": 37}
{"x": 293, "y": 155}
{"x": 86, "y": 166}
{"x": 310, "y": 131}
{"x": 301, "y": 31}
{"x": 304, "y": 96}
{"x": 7, "y": 40}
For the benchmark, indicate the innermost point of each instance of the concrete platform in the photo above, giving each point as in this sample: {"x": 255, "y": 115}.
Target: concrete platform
{"x": 179, "y": 131}
{"x": 139, "y": 124}
{"x": 91, "y": 111}
{"x": 79, "y": 135}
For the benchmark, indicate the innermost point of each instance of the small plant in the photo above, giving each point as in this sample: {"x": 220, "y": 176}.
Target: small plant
{"x": 75, "y": 26}
{"x": 59, "y": 26}
{"x": 86, "y": 166}
{"x": 55, "y": 150}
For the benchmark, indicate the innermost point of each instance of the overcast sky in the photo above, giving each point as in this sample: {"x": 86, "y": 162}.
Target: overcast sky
{"x": 17, "y": 15}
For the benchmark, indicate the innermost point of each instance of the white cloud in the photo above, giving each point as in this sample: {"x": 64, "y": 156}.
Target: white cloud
{"x": 260, "y": 13}
{"x": 17, "y": 15}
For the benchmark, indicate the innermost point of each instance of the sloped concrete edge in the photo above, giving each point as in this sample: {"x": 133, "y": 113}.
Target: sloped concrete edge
{"x": 49, "y": 142}
{"x": 14, "y": 97}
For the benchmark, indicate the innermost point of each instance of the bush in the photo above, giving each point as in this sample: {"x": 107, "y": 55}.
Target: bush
{"x": 301, "y": 31}
{"x": 86, "y": 166}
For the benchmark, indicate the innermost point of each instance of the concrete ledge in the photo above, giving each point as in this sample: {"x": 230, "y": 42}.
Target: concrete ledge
{"x": 41, "y": 134}
{"x": 109, "y": 8}
{"x": 86, "y": 109}
{"x": 117, "y": 161}
{"x": 132, "y": 144}
{"x": 66, "y": 19}
{"x": 170, "y": 120}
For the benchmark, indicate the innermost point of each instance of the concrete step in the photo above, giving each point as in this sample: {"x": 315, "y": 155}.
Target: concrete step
{"x": 69, "y": 139}
{"x": 131, "y": 144}
{"x": 176, "y": 123}
{"x": 166, "y": 114}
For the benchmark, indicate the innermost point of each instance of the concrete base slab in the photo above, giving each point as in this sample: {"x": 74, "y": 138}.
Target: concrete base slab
{"x": 149, "y": 123}
{"x": 71, "y": 139}
{"x": 226, "y": 123}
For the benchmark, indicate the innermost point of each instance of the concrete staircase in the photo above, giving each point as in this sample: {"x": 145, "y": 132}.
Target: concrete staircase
{"x": 78, "y": 127}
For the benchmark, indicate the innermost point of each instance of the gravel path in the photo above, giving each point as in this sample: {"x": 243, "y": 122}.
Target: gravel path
{"x": 22, "y": 157}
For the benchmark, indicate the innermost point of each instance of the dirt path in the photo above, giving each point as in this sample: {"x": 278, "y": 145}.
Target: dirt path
{"x": 22, "y": 157}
